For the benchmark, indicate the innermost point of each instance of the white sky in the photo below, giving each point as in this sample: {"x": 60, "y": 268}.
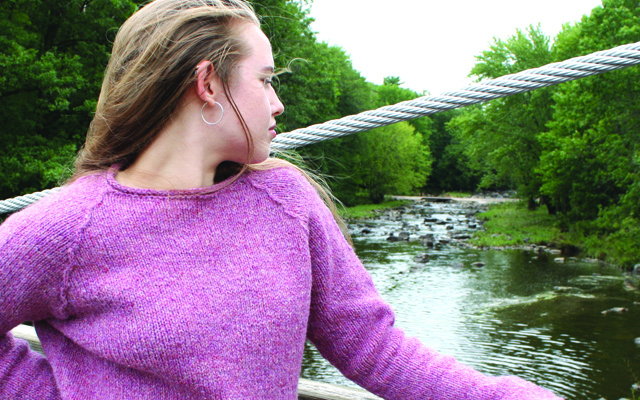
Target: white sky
{"x": 431, "y": 44}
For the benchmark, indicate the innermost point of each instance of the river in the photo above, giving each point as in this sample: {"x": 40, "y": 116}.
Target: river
{"x": 521, "y": 313}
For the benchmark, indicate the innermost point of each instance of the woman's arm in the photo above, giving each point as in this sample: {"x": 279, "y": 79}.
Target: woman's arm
{"x": 33, "y": 258}
{"x": 353, "y": 328}
{"x": 24, "y": 374}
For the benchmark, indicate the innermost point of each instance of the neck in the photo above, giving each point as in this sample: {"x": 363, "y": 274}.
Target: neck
{"x": 181, "y": 157}
{"x": 171, "y": 174}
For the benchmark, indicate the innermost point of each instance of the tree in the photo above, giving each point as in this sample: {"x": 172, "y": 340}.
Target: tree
{"x": 501, "y": 138}
{"x": 53, "y": 57}
{"x": 591, "y": 147}
{"x": 590, "y": 166}
{"x": 52, "y": 62}
{"x": 451, "y": 169}
{"x": 395, "y": 159}
{"x": 319, "y": 82}
{"x": 354, "y": 163}
{"x": 52, "y": 54}
{"x": 327, "y": 87}
{"x": 392, "y": 160}
{"x": 391, "y": 92}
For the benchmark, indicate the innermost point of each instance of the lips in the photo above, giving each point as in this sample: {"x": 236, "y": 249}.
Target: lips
{"x": 272, "y": 130}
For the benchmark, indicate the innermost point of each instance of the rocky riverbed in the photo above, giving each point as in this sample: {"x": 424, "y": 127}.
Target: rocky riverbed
{"x": 567, "y": 323}
{"x": 435, "y": 222}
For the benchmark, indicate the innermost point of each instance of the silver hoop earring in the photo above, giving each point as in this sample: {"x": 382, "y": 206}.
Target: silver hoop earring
{"x": 219, "y": 119}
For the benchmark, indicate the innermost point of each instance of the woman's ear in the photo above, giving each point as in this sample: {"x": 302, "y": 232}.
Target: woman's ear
{"x": 206, "y": 82}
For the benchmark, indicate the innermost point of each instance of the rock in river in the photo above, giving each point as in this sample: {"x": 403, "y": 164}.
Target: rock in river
{"x": 615, "y": 310}
{"x": 596, "y": 282}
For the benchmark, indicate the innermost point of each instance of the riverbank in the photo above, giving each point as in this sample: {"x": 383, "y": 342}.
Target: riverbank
{"x": 368, "y": 211}
{"x": 508, "y": 224}
{"x": 463, "y": 199}
{"x": 512, "y": 224}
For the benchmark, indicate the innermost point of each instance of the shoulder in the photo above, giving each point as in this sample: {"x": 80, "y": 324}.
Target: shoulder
{"x": 57, "y": 215}
{"x": 37, "y": 245}
{"x": 283, "y": 181}
{"x": 289, "y": 187}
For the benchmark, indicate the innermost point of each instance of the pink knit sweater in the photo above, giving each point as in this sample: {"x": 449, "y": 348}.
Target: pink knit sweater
{"x": 201, "y": 294}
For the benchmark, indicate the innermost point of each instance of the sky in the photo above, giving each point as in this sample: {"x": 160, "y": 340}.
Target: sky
{"x": 431, "y": 44}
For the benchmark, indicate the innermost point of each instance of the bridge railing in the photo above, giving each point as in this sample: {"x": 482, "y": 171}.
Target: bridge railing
{"x": 307, "y": 389}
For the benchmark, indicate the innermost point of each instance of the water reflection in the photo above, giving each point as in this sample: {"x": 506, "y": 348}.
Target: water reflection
{"x": 521, "y": 314}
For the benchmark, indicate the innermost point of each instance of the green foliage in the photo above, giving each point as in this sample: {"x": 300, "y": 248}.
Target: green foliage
{"x": 500, "y": 138}
{"x": 52, "y": 54}
{"x": 339, "y": 90}
{"x": 591, "y": 149}
{"x": 53, "y": 57}
{"x": 455, "y": 194}
{"x": 391, "y": 93}
{"x": 574, "y": 147}
{"x": 321, "y": 83}
{"x": 521, "y": 51}
{"x": 590, "y": 162}
{"x": 512, "y": 223}
{"x": 451, "y": 168}
{"x": 395, "y": 159}
{"x": 391, "y": 159}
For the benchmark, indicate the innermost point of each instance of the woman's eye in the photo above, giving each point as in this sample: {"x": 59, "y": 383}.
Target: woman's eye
{"x": 268, "y": 81}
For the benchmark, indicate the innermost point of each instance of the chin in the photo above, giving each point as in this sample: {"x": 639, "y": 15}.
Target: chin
{"x": 258, "y": 160}
{"x": 260, "y": 155}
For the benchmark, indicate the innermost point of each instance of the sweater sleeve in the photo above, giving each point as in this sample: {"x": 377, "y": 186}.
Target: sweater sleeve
{"x": 353, "y": 328}
{"x": 33, "y": 260}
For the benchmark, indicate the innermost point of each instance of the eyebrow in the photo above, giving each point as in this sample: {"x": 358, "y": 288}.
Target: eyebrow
{"x": 269, "y": 68}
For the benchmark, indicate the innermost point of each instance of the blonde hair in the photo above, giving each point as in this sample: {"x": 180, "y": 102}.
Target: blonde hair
{"x": 153, "y": 62}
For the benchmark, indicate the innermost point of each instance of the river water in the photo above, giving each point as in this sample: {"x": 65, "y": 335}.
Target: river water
{"x": 520, "y": 314}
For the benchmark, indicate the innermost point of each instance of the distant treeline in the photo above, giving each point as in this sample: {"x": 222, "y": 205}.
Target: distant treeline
{"x": 575, "y": 147}
{"x": 572, "y": 148}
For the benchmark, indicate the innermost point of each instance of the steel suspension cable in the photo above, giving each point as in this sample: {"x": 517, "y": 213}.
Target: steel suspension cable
{"x": 18, "y": 203}
{"x": 548, "y": 75}
{"x": 552, "y": 74}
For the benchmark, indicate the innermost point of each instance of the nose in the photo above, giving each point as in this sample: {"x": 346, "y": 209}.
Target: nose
{"x": 277, "y": 107}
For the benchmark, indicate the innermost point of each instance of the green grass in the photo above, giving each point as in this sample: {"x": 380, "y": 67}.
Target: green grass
{"x": 510, "y": 223}
{"x": 367, "y": 211}
{"x": 455, "y": 194}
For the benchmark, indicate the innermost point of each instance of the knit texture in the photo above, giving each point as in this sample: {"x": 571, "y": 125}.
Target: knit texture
{"x": 203, "y": 294}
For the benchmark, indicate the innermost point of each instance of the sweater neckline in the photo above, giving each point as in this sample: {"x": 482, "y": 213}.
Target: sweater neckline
{"x": 207, "y": 190}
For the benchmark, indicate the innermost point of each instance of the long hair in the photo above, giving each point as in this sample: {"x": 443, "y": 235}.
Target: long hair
{"x": 153, "y": 63}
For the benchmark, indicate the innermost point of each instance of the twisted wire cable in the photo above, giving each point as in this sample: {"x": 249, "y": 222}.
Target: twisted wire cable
{"x": 552, "y": 74}
{"x": 18, "y": 203}
{"x": 548, "y": 75}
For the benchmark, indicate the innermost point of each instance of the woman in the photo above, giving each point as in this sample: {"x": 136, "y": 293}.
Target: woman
{"x": 181, "y": 263}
